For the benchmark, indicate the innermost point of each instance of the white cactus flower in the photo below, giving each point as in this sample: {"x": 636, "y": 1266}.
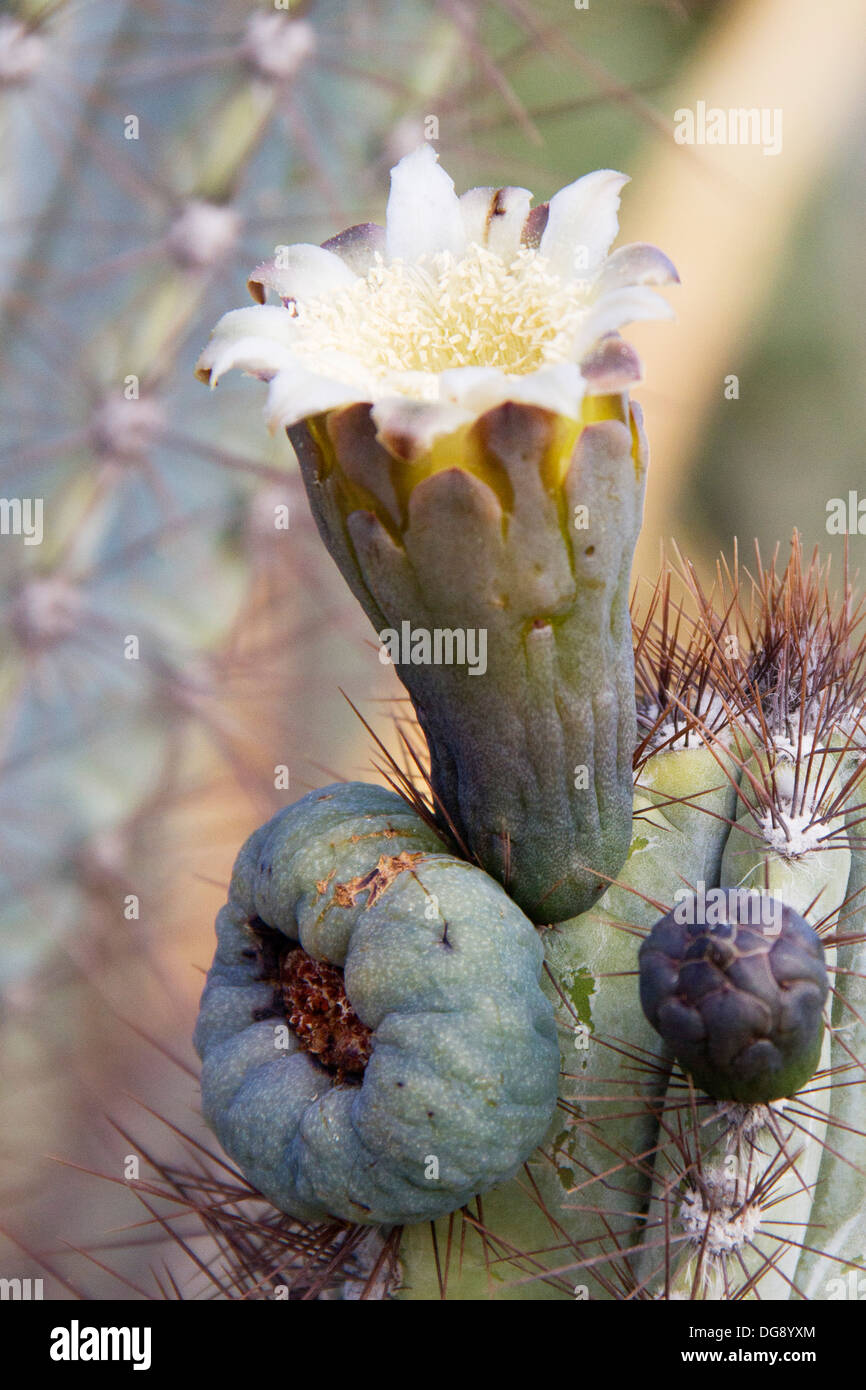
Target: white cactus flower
{"x": 457, "y": 305}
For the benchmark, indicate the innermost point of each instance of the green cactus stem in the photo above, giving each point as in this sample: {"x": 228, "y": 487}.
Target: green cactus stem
{"x": 649, "y": 1185}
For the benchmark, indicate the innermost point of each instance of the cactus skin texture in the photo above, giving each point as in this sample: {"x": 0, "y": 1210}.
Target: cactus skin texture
{"x": 740, "y": 1005}
{"x": 651, "y": 1184}
{"x": 531, "y": 759}
{"x": 442, "y": 968}
{"x": 627, "y": 1179}
{"x": 580, "y": 1207}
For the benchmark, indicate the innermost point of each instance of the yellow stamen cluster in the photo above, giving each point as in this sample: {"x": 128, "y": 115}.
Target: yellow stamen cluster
{"x": 442, "y": 312}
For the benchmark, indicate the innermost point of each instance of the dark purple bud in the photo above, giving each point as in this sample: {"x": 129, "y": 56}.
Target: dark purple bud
{"x": 735, "y": 983}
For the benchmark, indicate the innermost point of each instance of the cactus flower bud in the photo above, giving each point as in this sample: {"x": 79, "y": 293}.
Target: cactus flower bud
{"x": 737, "y": 996}
{"x": 455, "y": 388}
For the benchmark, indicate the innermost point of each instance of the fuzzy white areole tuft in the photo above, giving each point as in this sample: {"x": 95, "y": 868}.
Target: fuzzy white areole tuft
{"x": 718, "y": 1215}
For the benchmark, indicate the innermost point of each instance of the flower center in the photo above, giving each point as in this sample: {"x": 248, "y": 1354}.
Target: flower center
{"x": 441, "y": 312}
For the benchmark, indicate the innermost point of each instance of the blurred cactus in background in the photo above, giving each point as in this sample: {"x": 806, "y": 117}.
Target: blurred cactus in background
{"x": 154, "y": 618}
{"x": 174, "y": 642}
{"x": 149, "y": 153}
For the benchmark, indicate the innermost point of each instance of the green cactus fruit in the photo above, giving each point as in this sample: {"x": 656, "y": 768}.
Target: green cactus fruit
{"x": 375, "y": 1043}
{"x": 736, "y": 988}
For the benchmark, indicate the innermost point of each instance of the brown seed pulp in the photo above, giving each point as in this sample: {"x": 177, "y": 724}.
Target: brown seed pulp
{"x": 319, "y": 1013}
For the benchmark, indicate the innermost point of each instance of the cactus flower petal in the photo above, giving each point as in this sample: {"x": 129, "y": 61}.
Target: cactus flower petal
{"x": 610, "y": 367}
{"x": 638, "y": 264}
{"x": 615, "y": 309}
{"x": 298, "y": 271}
{"x": 582, "y": 222}
{"x": 424, "y": 213}
{"x": 250, "y": 339}
{"x": 557, "y": 388}
{"x": 295, "y": 388}
{"x": 358, "y": 246}
{"x": 495, "y": 218}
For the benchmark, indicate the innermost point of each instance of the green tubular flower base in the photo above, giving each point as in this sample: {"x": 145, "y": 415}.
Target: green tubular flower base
{"x": 521, "y": 527}
{"x": 442, "y": 968}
